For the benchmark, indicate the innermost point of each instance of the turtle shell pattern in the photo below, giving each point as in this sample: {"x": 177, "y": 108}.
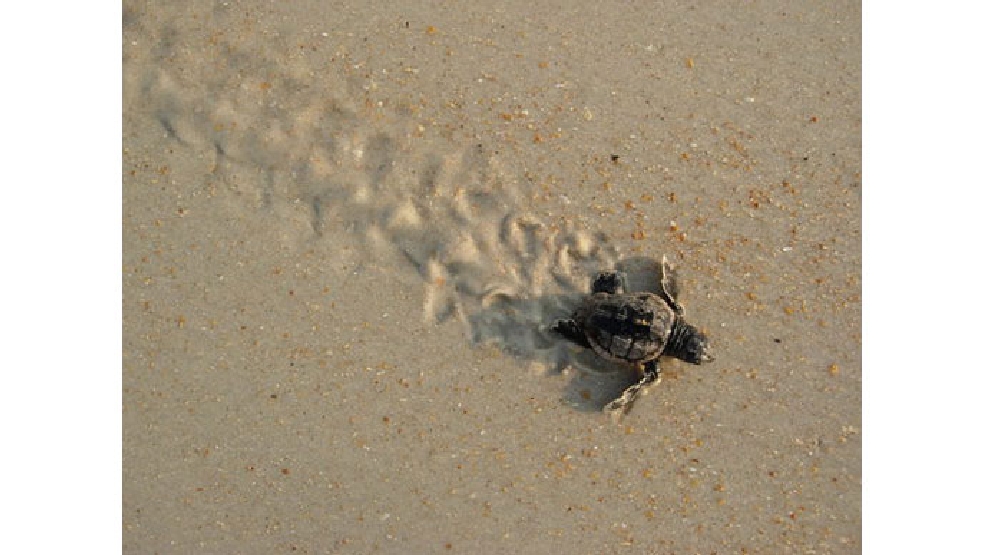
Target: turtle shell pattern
{"x": 630, "y": 328}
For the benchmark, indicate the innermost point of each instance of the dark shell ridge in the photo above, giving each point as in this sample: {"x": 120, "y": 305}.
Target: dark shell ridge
{"x": 629, "y": 328}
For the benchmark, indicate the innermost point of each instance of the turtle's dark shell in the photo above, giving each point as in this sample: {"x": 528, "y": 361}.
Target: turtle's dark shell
{"x": 630, "y": 327}
{"x": 635, "y": 328}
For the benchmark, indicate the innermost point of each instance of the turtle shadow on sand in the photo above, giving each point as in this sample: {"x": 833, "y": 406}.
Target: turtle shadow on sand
{"x": 520, "y": 326}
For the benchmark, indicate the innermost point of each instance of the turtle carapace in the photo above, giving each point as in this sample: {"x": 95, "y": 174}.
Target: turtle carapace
{"x": 635, "y": 328}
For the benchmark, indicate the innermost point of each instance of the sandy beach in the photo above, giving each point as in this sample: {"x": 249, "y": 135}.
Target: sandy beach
{"x": 345, "y": 229}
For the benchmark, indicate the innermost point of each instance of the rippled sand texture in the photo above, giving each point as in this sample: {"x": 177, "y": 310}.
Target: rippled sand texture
{"x": 451, "y": 212}
{"x": 346, "y": 228}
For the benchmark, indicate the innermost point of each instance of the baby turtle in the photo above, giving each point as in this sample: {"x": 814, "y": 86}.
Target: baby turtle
{"x": 635, "y": 328}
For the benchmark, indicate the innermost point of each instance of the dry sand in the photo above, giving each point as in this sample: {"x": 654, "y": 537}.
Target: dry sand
{"x": 345, "y": 226}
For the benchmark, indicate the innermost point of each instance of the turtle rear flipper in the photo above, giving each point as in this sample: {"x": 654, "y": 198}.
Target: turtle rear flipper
{"x": 614, "y": 283}
{"x": 570, "y": 330}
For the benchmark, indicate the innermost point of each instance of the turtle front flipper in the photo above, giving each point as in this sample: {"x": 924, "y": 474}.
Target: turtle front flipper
{"x": 571, "y": 331}
{"x": 622, "y": 404}
{"x": 669, "y": 286}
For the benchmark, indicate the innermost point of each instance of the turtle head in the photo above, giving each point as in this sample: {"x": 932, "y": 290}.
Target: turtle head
{"x": 689, "y": 344}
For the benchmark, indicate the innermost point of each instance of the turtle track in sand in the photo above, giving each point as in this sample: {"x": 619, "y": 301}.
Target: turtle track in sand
{"x": 314, "y": 162}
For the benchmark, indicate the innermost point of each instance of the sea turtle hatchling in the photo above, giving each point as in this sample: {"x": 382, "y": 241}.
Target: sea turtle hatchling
{"x": 635, "y": 328}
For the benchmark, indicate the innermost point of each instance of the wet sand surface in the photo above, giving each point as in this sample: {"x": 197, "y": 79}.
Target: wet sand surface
{"x": 345, "y": 229}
